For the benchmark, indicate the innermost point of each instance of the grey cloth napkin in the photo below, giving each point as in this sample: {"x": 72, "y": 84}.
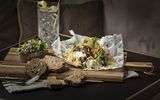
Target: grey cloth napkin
{"x": 131, "y": 74}
{"x": 13, "y": 85}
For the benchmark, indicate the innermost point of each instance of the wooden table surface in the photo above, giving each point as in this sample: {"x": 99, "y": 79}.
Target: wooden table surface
{"x": 142, "y": 88}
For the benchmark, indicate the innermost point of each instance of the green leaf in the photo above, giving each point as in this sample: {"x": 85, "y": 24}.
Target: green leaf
{"x": 94, "y": 39}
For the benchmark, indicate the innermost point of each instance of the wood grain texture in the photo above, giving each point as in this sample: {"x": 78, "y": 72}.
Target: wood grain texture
{"x": 13, "y": 59}
{"x": 19, "y": 71}
{"x": 12, "y": 66}
{"x": 140, "y": 66}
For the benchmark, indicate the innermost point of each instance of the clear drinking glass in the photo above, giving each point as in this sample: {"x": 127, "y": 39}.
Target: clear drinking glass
{"x": 48, "y": 24}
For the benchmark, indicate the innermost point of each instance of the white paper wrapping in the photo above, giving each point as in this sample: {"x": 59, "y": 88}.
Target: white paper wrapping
{"x": 113, "y": 44}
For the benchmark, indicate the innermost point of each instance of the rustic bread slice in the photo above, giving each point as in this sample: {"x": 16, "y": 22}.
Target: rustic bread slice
{"x": 35, "y": 67}
{"x": 55, "y": 64}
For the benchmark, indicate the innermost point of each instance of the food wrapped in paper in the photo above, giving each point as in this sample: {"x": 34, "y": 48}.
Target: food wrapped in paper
{"x": 91, "y": 53}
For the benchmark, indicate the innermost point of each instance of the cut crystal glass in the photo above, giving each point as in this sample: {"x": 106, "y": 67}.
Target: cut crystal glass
{"x": 48, "y": 25}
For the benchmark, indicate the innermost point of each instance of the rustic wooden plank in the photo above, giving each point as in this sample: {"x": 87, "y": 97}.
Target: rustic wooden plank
{"x": 12, "y": 70}
{"x": 19, "y": 71}
{"x": 12, "y": 56}
{"x": 139, "y": 66}
{"x": 13, "y": 50}
{"x": 12, "y": 60}
{"x": 116, "y": 76}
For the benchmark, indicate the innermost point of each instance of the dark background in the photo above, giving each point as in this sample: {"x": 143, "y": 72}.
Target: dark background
{"x": 137, "y": 20}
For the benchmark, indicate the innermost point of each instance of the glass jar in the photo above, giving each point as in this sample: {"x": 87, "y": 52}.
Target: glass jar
{"x": 48, "y": 24}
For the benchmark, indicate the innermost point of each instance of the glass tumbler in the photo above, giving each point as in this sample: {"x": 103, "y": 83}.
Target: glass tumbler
{"x": 48, "y": 25}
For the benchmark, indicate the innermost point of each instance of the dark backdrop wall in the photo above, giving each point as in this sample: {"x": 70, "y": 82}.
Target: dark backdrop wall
{"x": 9, "y": 30}
{"x": 137, "y": 20}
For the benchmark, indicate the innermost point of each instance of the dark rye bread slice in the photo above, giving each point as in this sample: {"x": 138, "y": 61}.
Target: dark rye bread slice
{"x": 35, "y": 67}
{"x": 55, "y": 64}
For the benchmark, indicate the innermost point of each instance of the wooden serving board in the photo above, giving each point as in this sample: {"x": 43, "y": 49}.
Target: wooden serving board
{"x": 19, "y": 71}
{"x": 13, "y": 58}
{"x": 11, "y": 66}
{"x": 140, "y": 66}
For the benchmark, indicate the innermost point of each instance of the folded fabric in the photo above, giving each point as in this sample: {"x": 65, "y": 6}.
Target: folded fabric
{"x": 18, "y": 85}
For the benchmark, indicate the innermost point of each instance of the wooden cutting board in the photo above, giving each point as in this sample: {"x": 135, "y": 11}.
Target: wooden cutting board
{"x": 11, "y": 66}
